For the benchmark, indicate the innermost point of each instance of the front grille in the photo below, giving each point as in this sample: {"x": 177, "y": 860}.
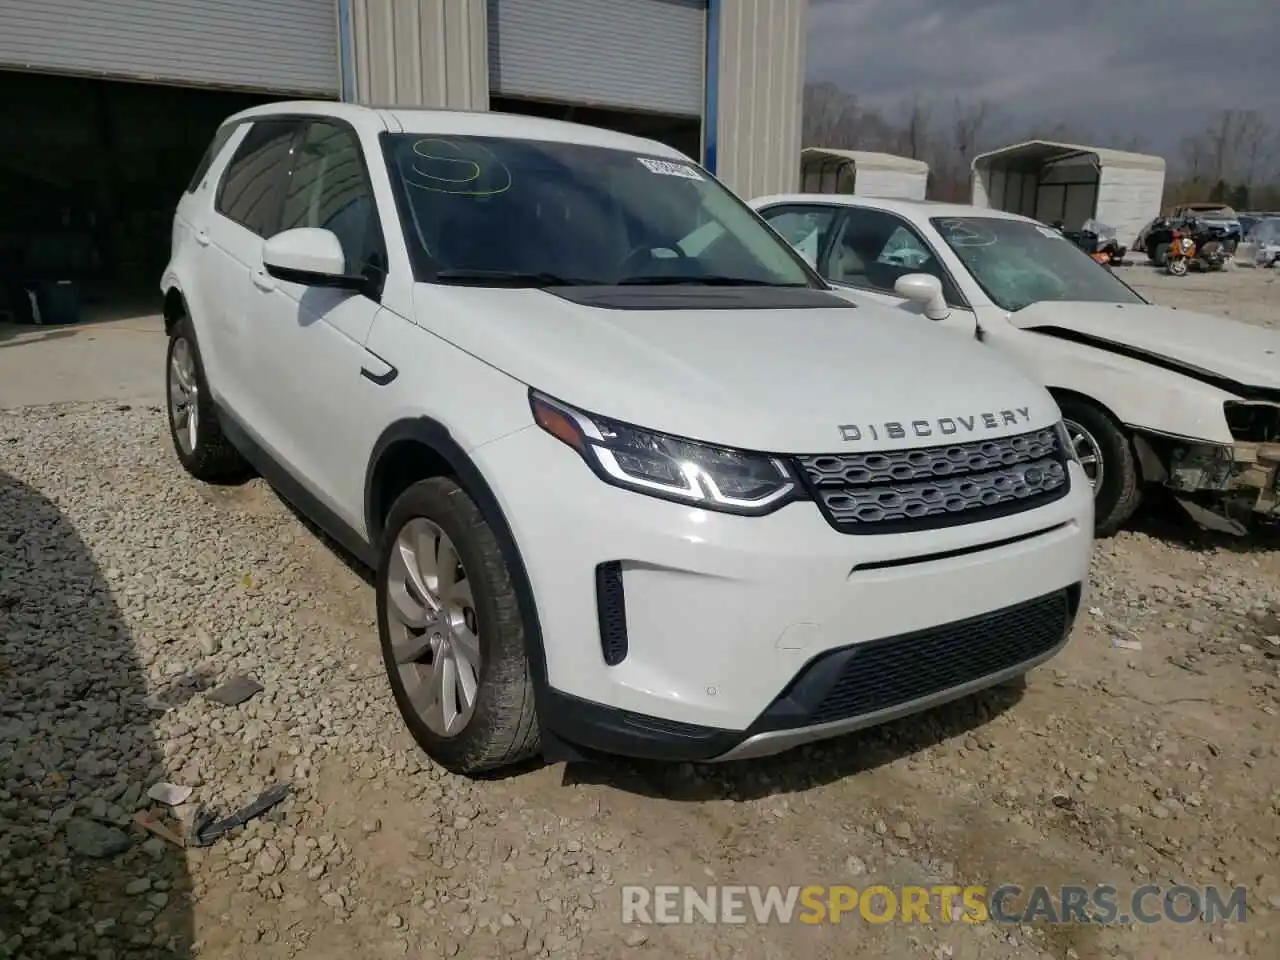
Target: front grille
{"x": 885, "y": 673}
{"x": 899, "y": 491}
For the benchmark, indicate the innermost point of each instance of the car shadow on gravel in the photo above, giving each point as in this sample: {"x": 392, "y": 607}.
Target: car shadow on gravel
{"x": 348, "y": 559}
{"x": 1161, "y": 518}
{"x": 795, "y": 770}
{"x": 803, "y": 768}
{"x": 77, "y": 754}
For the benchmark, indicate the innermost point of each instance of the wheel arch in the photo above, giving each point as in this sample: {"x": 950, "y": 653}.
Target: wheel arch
{"x": 419, "y": 448}
{"x": 1068, "y": 393}
{"x": 1150, "y": 469}
{"x": 175, "y": 307}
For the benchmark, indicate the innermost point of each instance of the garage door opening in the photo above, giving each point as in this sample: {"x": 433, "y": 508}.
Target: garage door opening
{"x": 90, "y": 173}
{"x": 683, "y": 133}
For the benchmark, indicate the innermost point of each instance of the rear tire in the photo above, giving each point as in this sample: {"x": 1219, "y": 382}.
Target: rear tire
{"x": 202, "y": 448}
{"x": 1118, "y": 491}
{"x": 455, "y": 658}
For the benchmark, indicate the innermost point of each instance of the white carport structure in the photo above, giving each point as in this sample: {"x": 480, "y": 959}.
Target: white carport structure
{"x": 1072, "y": 183}
{"x": 862, "y": 173}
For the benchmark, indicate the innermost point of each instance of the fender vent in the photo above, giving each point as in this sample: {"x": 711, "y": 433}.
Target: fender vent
{"x": 612, "y": 607}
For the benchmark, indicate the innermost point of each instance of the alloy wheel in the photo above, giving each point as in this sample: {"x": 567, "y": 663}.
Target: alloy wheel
{"x": 1087, "y": 451}
{"x": 184, "y": 395}
{"x": 434, "y": 633}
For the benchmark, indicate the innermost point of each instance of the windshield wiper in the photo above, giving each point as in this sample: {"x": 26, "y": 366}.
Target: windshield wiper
{"x": 509, "y": 278}
{"x": 710, "y": 280}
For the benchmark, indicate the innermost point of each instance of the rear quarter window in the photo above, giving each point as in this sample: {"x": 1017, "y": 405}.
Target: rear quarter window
{"x": 219, "y": 141}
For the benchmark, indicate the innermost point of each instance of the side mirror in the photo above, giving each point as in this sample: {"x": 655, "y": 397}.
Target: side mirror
{"x": 926, "y": 290}
{"x": 311, "y": 257}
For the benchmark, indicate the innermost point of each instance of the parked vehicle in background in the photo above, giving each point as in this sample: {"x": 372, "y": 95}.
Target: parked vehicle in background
{"x": 1192, "y": 245}
{"x": 583, "y": 411}
{"x": 1204, "y": 234}
{"x": 1261, "y": 246}
{"x": 1140, "y": 243}
{"x": 1219, "y": 217}
{"x": 1152, "y": 396}
{"x": 1098, "y": 240}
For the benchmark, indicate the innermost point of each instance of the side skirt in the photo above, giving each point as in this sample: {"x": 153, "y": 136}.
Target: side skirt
{"x": 288, "y": 487}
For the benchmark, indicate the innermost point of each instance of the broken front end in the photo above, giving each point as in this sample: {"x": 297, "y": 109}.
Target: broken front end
{"x": 1223, "y": 487}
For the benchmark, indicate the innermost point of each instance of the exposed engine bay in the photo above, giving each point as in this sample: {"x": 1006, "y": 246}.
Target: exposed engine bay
{"x": 1222, "y": 486}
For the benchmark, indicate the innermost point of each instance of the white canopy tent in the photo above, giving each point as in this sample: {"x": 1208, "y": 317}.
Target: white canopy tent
{"x": 862, "y": 173}
{"x": 1072, "y": 183}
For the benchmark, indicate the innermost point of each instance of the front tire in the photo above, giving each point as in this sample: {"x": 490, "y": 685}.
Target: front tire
{"x": 1160, "y": 255}
{"x": 452, "y": 633}
{"x": 1106, "y": 453}
{"x": 202, "y": 449}
{"x": 1177, "y": 266}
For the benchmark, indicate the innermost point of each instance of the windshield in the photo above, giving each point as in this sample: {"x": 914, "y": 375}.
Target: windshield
{"x": 495, "y": 211}
{"x": 1019, "y": 263}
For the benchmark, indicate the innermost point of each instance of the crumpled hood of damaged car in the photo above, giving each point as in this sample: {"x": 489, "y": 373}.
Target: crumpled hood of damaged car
{"x": 1241, "y": 352}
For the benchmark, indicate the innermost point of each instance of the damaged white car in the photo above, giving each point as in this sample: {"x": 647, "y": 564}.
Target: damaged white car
{"x": 1152, "y": 395}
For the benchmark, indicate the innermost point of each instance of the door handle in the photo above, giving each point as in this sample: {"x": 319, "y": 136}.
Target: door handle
{"x": 202, "y": 238}
{"x": 377, "y": 370}
{"x": 263, "y": 281}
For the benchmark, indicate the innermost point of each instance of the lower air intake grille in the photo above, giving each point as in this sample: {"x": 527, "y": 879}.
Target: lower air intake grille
{"x": 901, "y": 491}
{"x": 886, "y": 673}
{"x": 612, "y": 608}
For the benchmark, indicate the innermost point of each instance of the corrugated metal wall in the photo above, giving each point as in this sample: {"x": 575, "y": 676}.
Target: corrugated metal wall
{"x": 1128, "y": 199}
{"x": 286, "y": 46}
{"x": 885, "y": 183}
{"x": 757, "y": 95}
{"x": 637, "y": 54}
{"x": 420, "y": 53}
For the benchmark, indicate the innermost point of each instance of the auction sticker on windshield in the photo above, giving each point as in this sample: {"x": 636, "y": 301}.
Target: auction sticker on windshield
{"x": 669, "y": 169}
{"x": 1050, "y": 233}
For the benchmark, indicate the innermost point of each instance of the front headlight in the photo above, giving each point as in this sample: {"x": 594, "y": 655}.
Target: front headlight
{"x": 668, "y": 467}
{"x": 1064, "y": 438}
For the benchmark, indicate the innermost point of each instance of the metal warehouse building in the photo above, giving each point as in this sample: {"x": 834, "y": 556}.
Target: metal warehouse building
{"x": 109, "y": 103}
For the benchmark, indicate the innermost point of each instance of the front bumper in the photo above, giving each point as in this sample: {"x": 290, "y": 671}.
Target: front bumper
{"x": 1244, "y": 471}
{"x": 746, "y": 636}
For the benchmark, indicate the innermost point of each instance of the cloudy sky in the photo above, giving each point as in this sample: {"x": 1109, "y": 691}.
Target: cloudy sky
{"x": 1158, "y": 68}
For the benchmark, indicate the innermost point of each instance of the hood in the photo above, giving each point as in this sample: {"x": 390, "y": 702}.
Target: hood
{"x": 1241, "y": 352}
{"x": 810, "y": 380}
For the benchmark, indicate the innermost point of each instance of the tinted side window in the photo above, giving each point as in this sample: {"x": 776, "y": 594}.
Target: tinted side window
{"x": 807, "y": 228}
{"x": 253, "y": 184}
{"x": 219, "y": 140}
{"x": 330, "y": 189}
{"x": 875, "y": 248}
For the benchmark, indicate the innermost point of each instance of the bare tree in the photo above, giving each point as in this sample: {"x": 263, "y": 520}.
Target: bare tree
{"x": 1134, "y": 143}
{"x": 1195, "y": 151}
{"x": 916, "y": 132}
{"x": 969, "y": 126}
{"x": 1254, "y": 138}
{"x": 830, "y": 116}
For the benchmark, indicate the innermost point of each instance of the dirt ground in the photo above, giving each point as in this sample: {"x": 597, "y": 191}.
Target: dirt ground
{"x": 1145, "y": 753}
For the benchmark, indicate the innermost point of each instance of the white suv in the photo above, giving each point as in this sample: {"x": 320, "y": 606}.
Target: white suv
{"x": 626, "y": 490}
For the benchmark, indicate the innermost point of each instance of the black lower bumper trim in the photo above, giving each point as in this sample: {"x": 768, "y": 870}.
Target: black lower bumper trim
{"x": 837, "y": 686}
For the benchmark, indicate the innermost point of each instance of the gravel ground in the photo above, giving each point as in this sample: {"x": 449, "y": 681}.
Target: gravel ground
{"x": 129, "y": 592}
